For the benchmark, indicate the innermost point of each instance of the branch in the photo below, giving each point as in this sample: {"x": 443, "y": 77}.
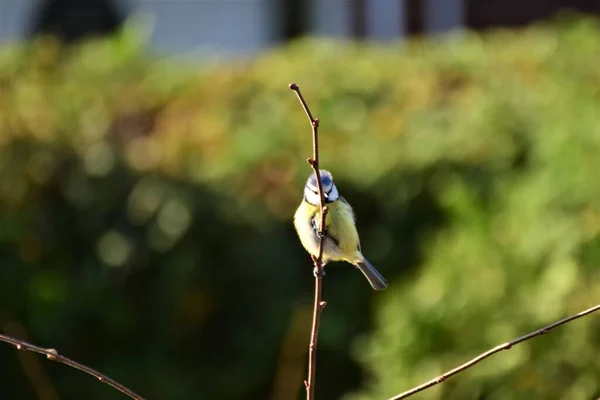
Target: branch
{"x": 497, "y": 349}
{"x": 319, "y": 303}
{"x": 52, "y": 354}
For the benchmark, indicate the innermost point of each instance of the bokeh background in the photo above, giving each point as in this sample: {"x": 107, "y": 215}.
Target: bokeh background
{"x": 147, "y": 188}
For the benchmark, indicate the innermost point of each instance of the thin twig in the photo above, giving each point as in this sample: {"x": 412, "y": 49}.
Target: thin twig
{"x": 497, "y": 349}
{"x": 319, "y": 303}
{"x": 32, "y": 367}
{"x": 53, "y": 355}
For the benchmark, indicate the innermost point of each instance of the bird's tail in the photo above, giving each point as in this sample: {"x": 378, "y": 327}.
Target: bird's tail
{"x": 376, "y": 280}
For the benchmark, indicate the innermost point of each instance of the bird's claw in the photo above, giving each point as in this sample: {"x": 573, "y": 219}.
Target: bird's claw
{"x": 317, "y": 273}
{"x": 322, "y": 234}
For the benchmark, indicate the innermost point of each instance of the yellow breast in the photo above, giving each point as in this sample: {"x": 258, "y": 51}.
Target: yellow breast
{"x": 340, "y": 227}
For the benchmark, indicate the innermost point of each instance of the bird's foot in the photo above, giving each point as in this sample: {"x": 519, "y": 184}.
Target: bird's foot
{"x": 322, "y": 234}
{"x": 319, "y": 274}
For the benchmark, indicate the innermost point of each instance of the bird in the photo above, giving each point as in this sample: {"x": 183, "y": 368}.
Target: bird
{"x": 341, "y": 240}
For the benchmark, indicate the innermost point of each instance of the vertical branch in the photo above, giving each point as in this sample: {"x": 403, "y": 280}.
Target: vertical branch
{"x": 319, "y": 303}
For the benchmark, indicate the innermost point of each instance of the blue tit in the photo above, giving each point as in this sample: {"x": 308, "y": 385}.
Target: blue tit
{"x": 341, "y": 238}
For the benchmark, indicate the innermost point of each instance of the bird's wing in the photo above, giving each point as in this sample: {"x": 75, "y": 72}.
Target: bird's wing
{"x": 343, "y": 200}
{"x": 314, "y": 222}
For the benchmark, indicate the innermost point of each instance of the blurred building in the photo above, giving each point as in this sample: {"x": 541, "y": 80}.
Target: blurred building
{"x": 245, "y": 26}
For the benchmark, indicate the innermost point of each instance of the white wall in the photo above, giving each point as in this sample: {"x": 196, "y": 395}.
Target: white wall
{"x": 384, "y": 18}
{"x": 15, "y": 18}
{"x": 241, "y": 27}
{"x": 229, "y": 26}
{"x": 180, "y": 26}
{"x": 443, "y": 15}
{"x": 330, "y": 18}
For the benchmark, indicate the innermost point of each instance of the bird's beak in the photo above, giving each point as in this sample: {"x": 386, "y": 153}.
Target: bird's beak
{"x": 325, "y": 195}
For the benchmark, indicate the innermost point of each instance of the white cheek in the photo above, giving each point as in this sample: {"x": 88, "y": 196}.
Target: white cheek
{"x": 313, "y": 198}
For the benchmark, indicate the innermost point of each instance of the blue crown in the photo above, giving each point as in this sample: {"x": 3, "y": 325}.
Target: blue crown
{"x": 326, "y": 178}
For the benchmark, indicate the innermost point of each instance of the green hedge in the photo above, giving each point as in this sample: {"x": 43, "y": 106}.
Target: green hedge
{"x": 145, "y": 214}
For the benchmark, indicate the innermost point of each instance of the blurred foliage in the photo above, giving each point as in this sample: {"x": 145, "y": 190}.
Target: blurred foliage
{"x": 145, "y": 216}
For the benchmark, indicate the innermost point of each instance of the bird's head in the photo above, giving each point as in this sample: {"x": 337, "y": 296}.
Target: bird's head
{"x": 311, "y": 190}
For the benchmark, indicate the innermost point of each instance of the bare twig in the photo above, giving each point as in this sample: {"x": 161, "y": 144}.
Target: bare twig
{"x": 53, "y": 355}
{"x": 32, "y": 367}
{"x": 319, "y": 303}
{"x": 497, "y": 349}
